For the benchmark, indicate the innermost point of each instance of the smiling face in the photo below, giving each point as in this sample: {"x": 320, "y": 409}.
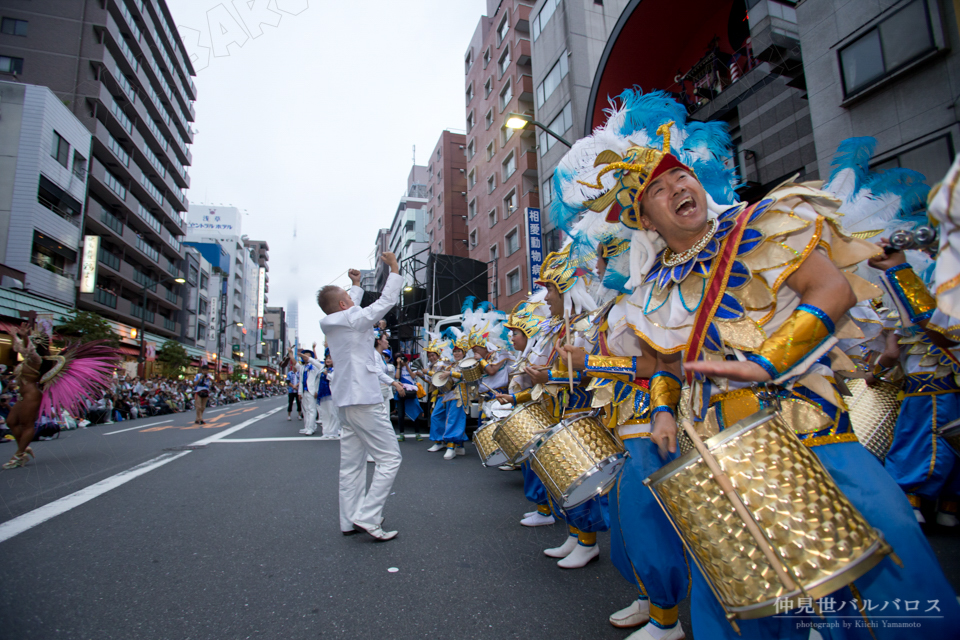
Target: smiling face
{"x": 675, "y": 206}
{"x": 432, "y": 357}
{"x": 554, "y": 299}
{"x": 458, "y": 354}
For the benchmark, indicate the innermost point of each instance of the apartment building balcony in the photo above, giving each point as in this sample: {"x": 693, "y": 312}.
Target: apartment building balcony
{"x": 527, "y": 164}
{"x": 521, "y": 50}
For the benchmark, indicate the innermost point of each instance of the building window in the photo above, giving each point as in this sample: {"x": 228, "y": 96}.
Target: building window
{"x": 509, "y": 166}
{"x": 11, "y": 65}
{"x": 891, "y": 45}
{"x": 513, "y": 281}
{"x": 932, "y": 159}
{"x": 201, "y": 331}
{"x": 48, "y": 253}
{"x": 549, "y": 7}
{"x": 79, "y": 165}
{"x": 439, "y": 175}
{"x": 491, "y": 150}
{"x": 471, "y": 149}
{"x": 473, "y": 238}
{"x": 115, "y": 185}
{"x": 506, "y": 95}
{"x": 491, "y": 183}
{"x": 512, "y": 242}
{"x": 488, "y": 119}
{"x": 492, "y": 217}
{"x": 429, "y": 215}
{"x": 118, "y": 150}
{"x": 13, "y": 27}
{"x": 440, "y": 198}
{"x": 558, "y": 125}
{"x": 430, "y": 236}
{"x": 472, "y": 208}
{"x": 552, "y": 241}
{"x": 546, "y": 88}
{"x": 494, "y": 252}
{"x": 503, "y": 30}
{"x": 486, "y": 58}
{"x": 471, "y": 178}
{"x": 470, "y": 121}
{"x": 440, "y": 222}
{"x": 438, "y": 152}
{"x": 546, "y": 193}
{"x": 505, "y": 134}
{"x": 504, "y": 62}
{"x": 202, "y": 307}
{"x": 510, "y": 203}
{"x": 60, "y": 150}
{"x": 468, "y": 61}
{"x": 469, "y": 93}
{"x": 440, "y": 247}
{"x": 57, "y": 200}
{"x": 487, "y": 87}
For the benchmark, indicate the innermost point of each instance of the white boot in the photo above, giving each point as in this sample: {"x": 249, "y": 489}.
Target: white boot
{"x": 580, "y": 557}
{"x": 563, "y": 550}
{"x": 461, "y": 451}
{"x": 653, "y": 632}
{"x": 437, "y": 446}
{"x": 636, "y": 614}
{"x": 537, "y": 520}
{"x": 450, "y": 454}
{"x": 530, "y": 513}
{"x": 947, "y": 519}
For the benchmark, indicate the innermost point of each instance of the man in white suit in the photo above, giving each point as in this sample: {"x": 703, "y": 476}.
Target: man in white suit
{"x": 308, "y": 386}
{"x": 365, "y": 423}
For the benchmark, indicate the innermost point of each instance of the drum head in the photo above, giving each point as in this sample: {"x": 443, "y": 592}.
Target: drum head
{"x": 440, "y": 379}
{"x": 468, "y": 363}
{"x": 495, "y": 459}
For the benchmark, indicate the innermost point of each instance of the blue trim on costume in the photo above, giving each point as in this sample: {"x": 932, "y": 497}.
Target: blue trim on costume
{"x": 660, "y": 409}
{"x": 763, "y": 362}
{"x": 668, "y": 374}
{"x": 819, "y": 313}
{"x": 898, "y": 290}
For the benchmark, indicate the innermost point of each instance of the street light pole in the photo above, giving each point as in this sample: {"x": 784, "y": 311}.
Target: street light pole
{"x": 220, "y": 340}
{"x": 519, "y": 121}
{"x": 143, "y": 316}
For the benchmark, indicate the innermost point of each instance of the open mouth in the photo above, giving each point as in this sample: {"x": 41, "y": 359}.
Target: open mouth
{"x": 685, "y": 207}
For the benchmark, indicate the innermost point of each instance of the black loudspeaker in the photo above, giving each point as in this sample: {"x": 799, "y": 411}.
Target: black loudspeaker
{"x": 450, "y": 280}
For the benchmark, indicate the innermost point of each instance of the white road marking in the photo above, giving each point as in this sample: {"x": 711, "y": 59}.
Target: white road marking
{"x": 29, "y": 520}
{"x": 288, "y": 439}
{"x": 142, "y": 426}
{"x": 40, "y": 515}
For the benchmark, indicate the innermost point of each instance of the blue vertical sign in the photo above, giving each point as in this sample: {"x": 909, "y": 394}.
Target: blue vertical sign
{"x": 534, "y": 246}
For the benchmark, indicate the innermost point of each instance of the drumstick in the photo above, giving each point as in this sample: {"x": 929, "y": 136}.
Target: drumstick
{"x": 731, "y": 493}
{"x": 566, "y": 325}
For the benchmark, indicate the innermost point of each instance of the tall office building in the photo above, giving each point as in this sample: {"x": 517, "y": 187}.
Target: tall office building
{"x": 123, "y": 71}
{"x": 502, "y": 181}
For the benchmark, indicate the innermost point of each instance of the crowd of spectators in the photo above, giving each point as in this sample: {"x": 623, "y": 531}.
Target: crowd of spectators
{"x": 130, "y": 398}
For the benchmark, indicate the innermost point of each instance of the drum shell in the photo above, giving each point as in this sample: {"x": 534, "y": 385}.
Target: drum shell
{"x": 873, "y": 412}
{"x": 576, "y": 460}
{"x": 516, "y": 432}
{"x": 489, "y": 450}
{"x": 950, "y": 433}
{"x": 442, "y": 382}
{"x": 824, "y": 540}
{"x": 471, "y": 369}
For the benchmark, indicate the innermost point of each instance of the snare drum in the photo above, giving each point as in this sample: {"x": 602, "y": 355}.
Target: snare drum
{"x": 950, "y": 433}
{"x": 823, "y": 541}
{"x": 471, "y": 369}
{"x": 490, "y": 453}
{"x": 442, "y": 381}
{"x": 873, "y": 414}
{"x": 577, "y": 459}
{"x": 517, "y": 431}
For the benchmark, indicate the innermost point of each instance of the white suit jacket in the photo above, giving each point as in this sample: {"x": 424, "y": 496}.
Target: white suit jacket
{"x": 350, "y": 337}
{"x": 313, "y": 376}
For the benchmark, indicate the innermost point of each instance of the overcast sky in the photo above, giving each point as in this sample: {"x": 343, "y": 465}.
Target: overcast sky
{"x": 313, "y": 122}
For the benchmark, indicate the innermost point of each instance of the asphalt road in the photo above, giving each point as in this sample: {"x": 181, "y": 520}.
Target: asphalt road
{"x": 239, "y": 538}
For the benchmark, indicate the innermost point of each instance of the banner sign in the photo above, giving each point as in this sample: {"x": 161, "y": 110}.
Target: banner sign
{"x": 534, "y": 245}
{"x": 88, "y": 265}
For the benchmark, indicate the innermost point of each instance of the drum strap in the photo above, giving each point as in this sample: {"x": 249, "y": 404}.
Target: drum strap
{"x": 715, "y": 288}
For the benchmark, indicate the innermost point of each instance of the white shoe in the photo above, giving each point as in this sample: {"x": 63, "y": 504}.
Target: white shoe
{"x": 563, "y": 550}
{"x": 288, "y": 417}
{"x": 919, "y": 516}
{"x": 375, "y": 531}
{"x": 537, "y": 520}
{"x": 437, "y": 446}
{"x": 309, "y": 433}
{"x": 947, "y": 519}
{"x": 580, "y": 557}
{"x": 653, "y": 632}
{"x": 508, "y": 467}
{"x": 636, "y": 614}
{"x": 530, "y": 513}
{"x": 304, "y": 432}
{"x": 461, "y": 451}
{"x": 450, "y": 454}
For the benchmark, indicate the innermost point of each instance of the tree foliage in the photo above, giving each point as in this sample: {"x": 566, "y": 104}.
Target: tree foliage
{"x": 86, "y": 327}
{"x": 172, "y": 358}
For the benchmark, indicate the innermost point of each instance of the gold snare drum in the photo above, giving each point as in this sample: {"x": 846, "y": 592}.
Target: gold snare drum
{"x": 873, "y": 414}
{"x": 950, "y": 433}
{"x": 442, "y": 381}
{"x": 516, "y": 432}
{"x": 822, "y": 540}
{"x": 471, "y": 369}
{"x": 489, "y": 450}
{"x": 577, "y": 459}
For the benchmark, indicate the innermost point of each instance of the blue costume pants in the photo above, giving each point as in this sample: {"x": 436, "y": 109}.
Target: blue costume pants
{"x": 455, "y": 428}
{"x": 918, "y": 460}
{"x": 438, "y": 420}
{"x": 533, "y": 487}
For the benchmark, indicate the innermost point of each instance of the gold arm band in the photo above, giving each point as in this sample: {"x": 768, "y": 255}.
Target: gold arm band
{"x": 623, "y": 368}
{"x": 804, "y": 331}
{"x": 523, "y": 396}
{"x": 911, "y": 292}
{"x": 664, "y": 392}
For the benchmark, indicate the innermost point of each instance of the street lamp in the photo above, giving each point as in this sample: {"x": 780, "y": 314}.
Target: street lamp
{"x": 520, "y": 121}
{"x": 220, "y": 344}
{"x": 143, "y": 315}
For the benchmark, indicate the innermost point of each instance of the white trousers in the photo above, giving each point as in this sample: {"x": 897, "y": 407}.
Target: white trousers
{"x": 309, "y": 412}
{"x": 329, "y": 417}
{"x": 366, "y": 429}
